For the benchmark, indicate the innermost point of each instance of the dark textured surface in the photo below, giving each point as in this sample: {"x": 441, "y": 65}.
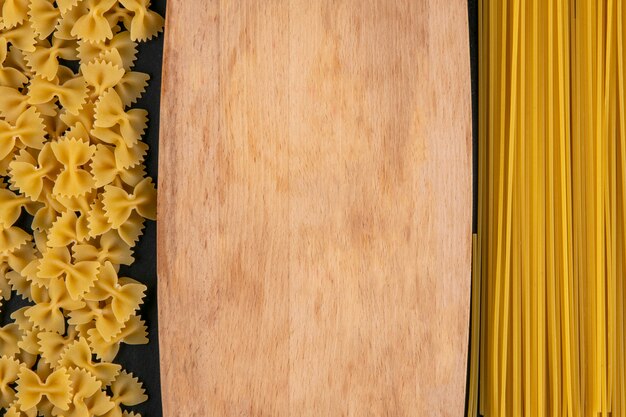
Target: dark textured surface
{"x": 472, "y": 7}
{"x": 143, "y": 360}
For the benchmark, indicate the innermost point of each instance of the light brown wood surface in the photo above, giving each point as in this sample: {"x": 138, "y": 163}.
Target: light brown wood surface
{"x": 314, "y": 208}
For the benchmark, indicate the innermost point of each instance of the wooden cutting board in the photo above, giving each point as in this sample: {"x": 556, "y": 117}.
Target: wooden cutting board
{"x": 315, "y": 208}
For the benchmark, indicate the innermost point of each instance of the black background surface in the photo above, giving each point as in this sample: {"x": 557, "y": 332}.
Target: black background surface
{"x": 472, "y": 7}
{"x": 143, "y": 360}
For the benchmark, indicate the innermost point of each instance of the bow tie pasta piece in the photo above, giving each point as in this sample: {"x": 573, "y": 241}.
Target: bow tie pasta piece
{"x": 127, "y": 390}
{"x": 110, "y": 248}
{"x": 78, "y": 276}
{"x": 52, "y": 344}
{"x": 132, "y": 229}
{"x": 11, "y": 238}
{"x": 15, "y": 59}
{"x": 119, "y": 205}
{"x": 87, "y": 398}
{"x": 99, "y": 404}
{"x": 10, "y": 334}
{"x": 105, "y": 168}
{"x": 126, "y": 157}
{"x": 120, "y": 51}
{"x": 29, "y": 341}
{"x": 101, "y": 75}
{"x": 5, "y": 287}
{"x": 97, "y": 220}
{"x": 12, "y": 205}
{"x": 93, "y": 26}
{"x": 131, "y": 87}
{"x": 43, "y": 219}
{"x": 145, "y": 23}
{"x": 47, "y": 313}
{"x": 46, "y": 215}
{"x": 14, "y": 12}
{"x": 125, "y": 295}
{"x": 20, "y": 285}
{"x": 71, "y": 94}
{"x": 31, "y": 389}
{"x": 29, "y": 130}
{"x": 19, "y": 261}
{"x": 80, "y": 132}
{"x": 78, "y": 355}
{"x": 99, "y": 316}
{"x": 14, "y": 104}
{"x": 9, "y": 370}
{"x": 80, "y": 123}
{"x": 19, "y": 318}
{"x": 67, "y": 229}
{"x": 134, "y": 332}
{"x": 27, "y": 175}
{"x": 110, "y": 113}
{"x": 54, "y": 127}
{"x": 110, "y": 305}
{"x": 44, "y": 17}
{"x": 73, "y": 154}
{"x": 63, "y": 231}
{"x": 44, "y": 60}
{"x": 68, "y": 17}
{"x": 9, "y": 76}
{"x": 19, "y": 258}
{"x": 21, "y": 36}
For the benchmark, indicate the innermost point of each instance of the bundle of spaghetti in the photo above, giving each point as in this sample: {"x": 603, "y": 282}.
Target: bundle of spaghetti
{"x": 547, "y": 329}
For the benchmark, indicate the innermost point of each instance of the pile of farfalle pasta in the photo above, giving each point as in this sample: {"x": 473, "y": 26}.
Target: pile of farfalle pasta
{"x": 71, "y": 157}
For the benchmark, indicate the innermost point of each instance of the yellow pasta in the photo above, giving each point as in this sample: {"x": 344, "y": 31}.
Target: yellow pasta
{"x": 72, "y": 157}
{"x": 9, "y": 370}
{"x": 548, "y": 280}
{"x": 88, "y": 399}
{"x": 127, "y": 390}
{"x": 31, "y": 389}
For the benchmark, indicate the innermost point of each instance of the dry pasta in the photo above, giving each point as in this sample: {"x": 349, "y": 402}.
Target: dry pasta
{"x": 548, "y": 292}
{"x": 71, "y": 157}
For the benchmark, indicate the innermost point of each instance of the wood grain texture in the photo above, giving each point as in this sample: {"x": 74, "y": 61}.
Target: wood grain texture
{"x": 314, "y": 208}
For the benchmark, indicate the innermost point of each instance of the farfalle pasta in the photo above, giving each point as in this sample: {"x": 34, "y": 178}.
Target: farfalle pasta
{"x": 31, "y": 389}
{"x": 74, "y": 198}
